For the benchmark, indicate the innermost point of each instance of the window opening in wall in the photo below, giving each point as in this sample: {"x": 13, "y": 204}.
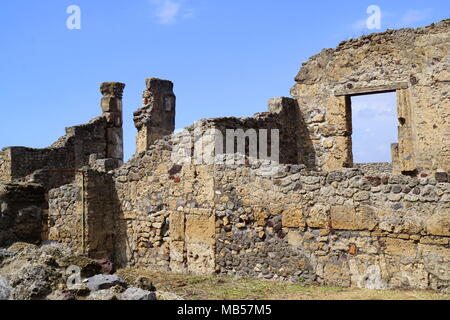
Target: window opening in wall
{"x": 375, "y": 127}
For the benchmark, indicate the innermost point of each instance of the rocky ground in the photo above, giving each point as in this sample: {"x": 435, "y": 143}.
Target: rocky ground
{"x": 53, "y": 272}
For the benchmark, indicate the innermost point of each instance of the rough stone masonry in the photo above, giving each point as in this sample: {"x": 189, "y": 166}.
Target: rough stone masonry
{"x": 317, "y": 217}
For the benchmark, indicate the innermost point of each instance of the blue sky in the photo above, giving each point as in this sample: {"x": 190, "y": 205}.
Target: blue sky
{"x": 226, "y": 58}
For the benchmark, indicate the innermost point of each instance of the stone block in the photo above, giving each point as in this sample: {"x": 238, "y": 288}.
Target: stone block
{"x": 340, "y": 155}
{"x": 103, "y": 282}
{"x": 441, "y": 177}
{"x": 200, "y": 258}
{"x": 260, "y": 215}
{"x": 294, "y": 238}
{"x": 436, "y": 260}
{"x": 293, "y": 218}
{"x": 176, "y": 226}
{"x": 318, "y": 217}
{"x": 439, "y": 223}
{"x": 138, "y": 294}
{"x": 351, "y": 218}
{"x": 402, "y": 248}
{"x": 200, "y": 229}
{"x": 337, "y": 274}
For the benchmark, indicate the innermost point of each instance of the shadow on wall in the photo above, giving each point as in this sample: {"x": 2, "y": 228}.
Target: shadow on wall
{"x": 306, "y": 153}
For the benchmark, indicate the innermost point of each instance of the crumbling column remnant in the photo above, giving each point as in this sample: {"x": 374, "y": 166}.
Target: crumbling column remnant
{"x": 156, "y": 117}
{"x": 111, "y": 104}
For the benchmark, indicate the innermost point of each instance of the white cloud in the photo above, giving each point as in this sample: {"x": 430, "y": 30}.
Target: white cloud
{"x": 377, "y": 106}
{"x": 169, "y": 12}
{"x": 413, "y": 16}
{"x": 166, "y": 11}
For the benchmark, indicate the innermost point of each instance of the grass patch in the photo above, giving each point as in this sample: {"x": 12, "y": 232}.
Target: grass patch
{"x": 237, "y": 288}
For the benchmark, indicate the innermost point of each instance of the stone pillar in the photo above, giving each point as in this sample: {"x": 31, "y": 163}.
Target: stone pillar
{"x": 156, "y": 118}
{"x": 111, "y": 104}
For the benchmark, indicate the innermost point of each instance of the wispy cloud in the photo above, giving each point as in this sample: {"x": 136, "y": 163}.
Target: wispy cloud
{"x": 359, "y": 26}
{"x": 168, "y": 12}
{"x": 413, "y": 16}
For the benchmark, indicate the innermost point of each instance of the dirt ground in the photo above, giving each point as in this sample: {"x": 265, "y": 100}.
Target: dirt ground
{"x": 236, "y": 288}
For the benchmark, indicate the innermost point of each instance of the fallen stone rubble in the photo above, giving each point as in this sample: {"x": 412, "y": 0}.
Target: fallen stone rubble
{"x": 54, "y": 272}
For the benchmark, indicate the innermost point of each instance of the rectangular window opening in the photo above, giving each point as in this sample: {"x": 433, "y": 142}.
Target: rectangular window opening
{"x": 374, "y": 127}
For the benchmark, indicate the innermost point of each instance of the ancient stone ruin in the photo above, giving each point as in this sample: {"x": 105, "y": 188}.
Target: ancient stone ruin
{"x": 306, "y": 212}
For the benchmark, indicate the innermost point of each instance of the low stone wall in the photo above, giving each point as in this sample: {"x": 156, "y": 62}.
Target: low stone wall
{"x": 23, "y": 213}
{"x": 342, "y": 228}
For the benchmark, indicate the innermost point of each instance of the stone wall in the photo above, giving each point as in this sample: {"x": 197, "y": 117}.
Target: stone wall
{"x": 65, "y": 216}
{"x": 23, "y": 213}
{"x": 281, "y": 122}
{"x": 343, "y": 228}
{"x": 339, "y": 228}
{"x": 69, "y": 153}
{"x": 412, "y": 62}
{"x": 101, "y": 211}
{"x": 81, "y": 214}
{"x": 4, "y": 167}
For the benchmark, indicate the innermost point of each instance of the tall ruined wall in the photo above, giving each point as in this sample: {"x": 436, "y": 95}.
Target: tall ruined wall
{"x": 412, "y": 62}
{"x": 149, "y": 191}
{"x": 102, "y": 137}
{"x": 68, "y": 153}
